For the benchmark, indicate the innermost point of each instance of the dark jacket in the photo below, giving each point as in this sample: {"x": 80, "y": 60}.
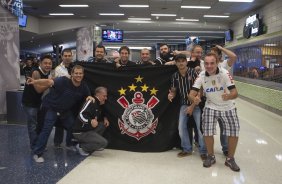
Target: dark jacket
{"x": 88, "y": 112}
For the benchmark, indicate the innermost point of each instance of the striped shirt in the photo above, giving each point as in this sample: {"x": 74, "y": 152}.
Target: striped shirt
{"x": 184, "y": 84}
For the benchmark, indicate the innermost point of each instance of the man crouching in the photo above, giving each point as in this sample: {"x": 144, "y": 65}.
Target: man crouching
{"x": 90, "y": 124}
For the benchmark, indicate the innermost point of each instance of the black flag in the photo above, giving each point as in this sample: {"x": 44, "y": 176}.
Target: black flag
{"x": 141, "y": 117}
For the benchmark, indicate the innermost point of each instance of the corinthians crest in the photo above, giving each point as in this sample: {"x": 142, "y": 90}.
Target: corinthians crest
{"x": 138, "y": 119}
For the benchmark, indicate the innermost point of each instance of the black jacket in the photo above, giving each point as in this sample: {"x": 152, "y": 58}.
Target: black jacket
{"x": 88, "y": 112}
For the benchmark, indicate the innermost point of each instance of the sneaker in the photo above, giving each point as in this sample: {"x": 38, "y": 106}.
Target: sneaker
{"x": 203, "y": 157}
{"x": 38, "y": 159}
{"x": 225, "y": 153}
{"x": 81, "y": 151}
{"x": 210, "y": 160}
{"x": 183, "y": 154}
{"x": 230, "y": 162}
{"x": 71, "y": 148}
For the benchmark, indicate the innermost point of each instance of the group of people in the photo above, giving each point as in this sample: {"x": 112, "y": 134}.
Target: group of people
{"x": 195, "y": 80}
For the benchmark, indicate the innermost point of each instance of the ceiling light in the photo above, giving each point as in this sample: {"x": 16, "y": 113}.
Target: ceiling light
{"x": 137, "y": 48}
{"x": 189, "y": 20}
{"x": 164, "y": 15}
{"x": 133, "y": 6}
{"x": 73, "y": 5}
{"x": 118, "y": 14}
{"x": 270, "y": 45}
{"x": 217, "y": 16}
{"x": 139, "y": 18}
{"x": 61, "y": 14}
{"x": 241, "y": 1}
{"x": 197, "y": 7}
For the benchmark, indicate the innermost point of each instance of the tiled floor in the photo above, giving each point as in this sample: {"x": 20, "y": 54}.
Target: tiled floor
{"x": 259, "y": 154}
{"x": 17, "y": 165}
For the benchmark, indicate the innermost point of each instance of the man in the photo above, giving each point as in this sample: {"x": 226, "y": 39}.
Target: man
{"x": 145, "y": 57}
{"x": 28, "y": 68}
{"x": 64, "y": 94}
{"x": 31, "y": 99}
{"x": 166, "y": 57}
{"x": 64, "y": 67}
{"x": 63, "y": 70}
{"x": 227, "y": 65}
{"x": 182, "y": 81}
{"x": 123, "y": 60}
{"x": 196, "y": 58}
{"x": 90, "y": 124}
{"x": 219, "y": 105}
{"x": 99, "y": 53}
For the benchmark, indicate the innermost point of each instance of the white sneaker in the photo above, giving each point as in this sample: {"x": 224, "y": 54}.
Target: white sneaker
{"x": 38, "y": 159}
{"x": 81, "y": 151}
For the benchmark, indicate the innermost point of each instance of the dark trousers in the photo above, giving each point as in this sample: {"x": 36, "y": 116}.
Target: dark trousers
{"x": 51, "y": 117}
{"x": 92, "y": 140}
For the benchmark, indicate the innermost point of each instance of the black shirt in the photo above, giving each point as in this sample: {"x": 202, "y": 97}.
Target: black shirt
{"x": 194, "y": 64}
{"x": 30, "y": 96}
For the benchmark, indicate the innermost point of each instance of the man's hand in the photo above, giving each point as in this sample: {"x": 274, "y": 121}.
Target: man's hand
{"x": 170, "y": 95}
{"x": 90, "y": 98}
{"x": 189, "y": 110}
{"x": 106, "y": 122}
{"x": 30, "y": 80}
{"x": 94, "y": 122}
{"x": 225, "y": 96}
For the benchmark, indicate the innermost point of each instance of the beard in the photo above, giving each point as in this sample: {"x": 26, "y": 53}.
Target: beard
{"x": 165, "y": 56}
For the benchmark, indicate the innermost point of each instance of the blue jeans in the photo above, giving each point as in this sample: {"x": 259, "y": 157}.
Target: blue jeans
{"x": 223, "y": 138}
{"x": 51, "y": 116}
{"x": 31, "y": 114}
{"x": 183, "y": 130}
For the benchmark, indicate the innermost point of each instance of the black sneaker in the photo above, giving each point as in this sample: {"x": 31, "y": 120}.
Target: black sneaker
{"x": 230, "y": 162}
{"x": 210, "y": 160}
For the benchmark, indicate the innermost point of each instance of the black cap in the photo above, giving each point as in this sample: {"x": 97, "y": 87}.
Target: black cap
{"x": 180, "y": 56}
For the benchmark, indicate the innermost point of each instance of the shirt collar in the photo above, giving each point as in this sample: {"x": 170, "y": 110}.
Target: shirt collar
{"x": 217, "y": 72}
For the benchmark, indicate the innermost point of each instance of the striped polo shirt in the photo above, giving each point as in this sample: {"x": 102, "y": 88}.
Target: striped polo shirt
{"x": 184, "y": 84}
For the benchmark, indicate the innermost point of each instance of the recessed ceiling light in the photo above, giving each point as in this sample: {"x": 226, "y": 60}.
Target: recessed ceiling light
{"x": 61, "y": 14}
{"x": 197, "y": 7}
{"x": 133, "y": 6}
{"x": 217, "y": 16}
{"x": 270, "y": 44}
{"x": 164, "y": 15}
{"x": 241, "y": 1}
{"x": 103, "y": 25}
{"x": 188, "y": 20}
{"x": 106, "y": 14}
{"x": 73, "y": 5}
{"x": 139, "y": 18}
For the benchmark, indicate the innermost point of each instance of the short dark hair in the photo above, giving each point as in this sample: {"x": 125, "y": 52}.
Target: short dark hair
{"x": 163, "y": 44}
{"x": 101, "y": 47}
{"x": 124, "y": 48}
{"x": 66, "y": 50}
{"x": 180, "y": 56}
{"x": 77, "y": 67}
{"x": 214, "y": 55}
{"x": 46, "y": 57}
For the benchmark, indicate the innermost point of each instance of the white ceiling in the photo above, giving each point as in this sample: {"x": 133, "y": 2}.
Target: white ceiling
{"x": 163, "y": 29}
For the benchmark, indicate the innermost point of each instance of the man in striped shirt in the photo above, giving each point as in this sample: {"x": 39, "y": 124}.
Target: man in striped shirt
{"x": 183, "y": 81}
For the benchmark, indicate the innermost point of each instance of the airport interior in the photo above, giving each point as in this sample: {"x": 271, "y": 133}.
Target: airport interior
{"x": 132, "y": 91}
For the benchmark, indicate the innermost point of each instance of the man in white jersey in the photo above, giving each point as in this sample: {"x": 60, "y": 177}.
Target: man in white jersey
{"x": 219, "y": 105}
